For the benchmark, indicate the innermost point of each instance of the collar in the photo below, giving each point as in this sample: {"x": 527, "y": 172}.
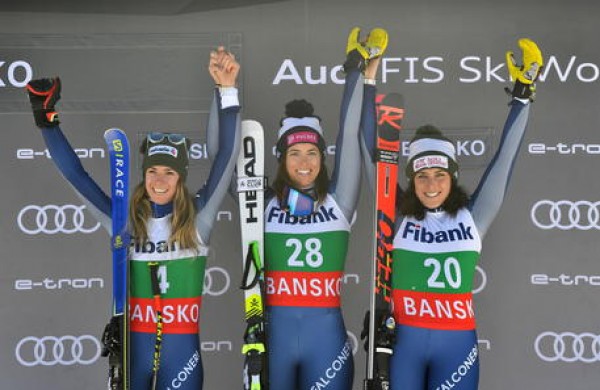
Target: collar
{"x": 435, "y": 210}
{"x": 161, "y": 210}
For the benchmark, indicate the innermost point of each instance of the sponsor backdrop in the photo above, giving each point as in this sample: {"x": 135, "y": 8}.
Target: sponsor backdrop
{"x": 142, "y": 67}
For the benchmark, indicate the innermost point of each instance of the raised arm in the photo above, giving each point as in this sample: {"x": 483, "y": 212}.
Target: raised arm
{"x": 226, "y": 113}
{"x": 357, "y": 111}
{"x": 43, "y": 95}
{"x": 489, "y": 195}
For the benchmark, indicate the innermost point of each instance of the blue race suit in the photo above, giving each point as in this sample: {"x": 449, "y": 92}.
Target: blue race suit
{"x": 182, "y": 270}
{"x": 434, "y": 263}
{"x": 304, "y": 256}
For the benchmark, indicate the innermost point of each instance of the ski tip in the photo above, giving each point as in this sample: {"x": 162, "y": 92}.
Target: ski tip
{"x": 113, "y": 130}
{"x": 251, "y": 123}
{"x": 393, "y": 99}
{"x": 116, "y": 139}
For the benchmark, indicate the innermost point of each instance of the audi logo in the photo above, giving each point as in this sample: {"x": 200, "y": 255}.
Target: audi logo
{"x": 353, "y": 340}
{"x": 216, "y": 281}
{"x": 52, "y": 219}
{"x": 568, "y": 347}
{"x": 566, "y": 214}
{"x": 483, "y": 278}
{"x": 64, "y": 350}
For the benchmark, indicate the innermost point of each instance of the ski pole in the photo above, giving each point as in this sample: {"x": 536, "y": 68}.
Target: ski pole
{"x": 159, "y": 322}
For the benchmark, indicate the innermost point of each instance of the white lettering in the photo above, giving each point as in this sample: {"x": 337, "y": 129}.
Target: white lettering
{"x": 432, "y": 69}
{"x": 336, "y": 366}
{"x": 552, "y": 63}
{"x": 461, "y": 371}
{"x": 60, "y": 284}
{"x": 198, "y": 151}
{"x": 305, "y": 286}
{"x": 565, "y": 280}
{"x": 287, "y": 71}
{"x": 439, "y": 308}
{"x": 464, "y": 65}
{"x": 593, "y": 68}
{"x": 409, "y": 306}
{"x": 19, "y": 73}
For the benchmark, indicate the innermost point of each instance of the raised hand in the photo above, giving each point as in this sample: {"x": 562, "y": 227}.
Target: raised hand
{"x": 43, "y": 95}
{"x": 526, "y": 74}
{"x": 223, "y": 67}
{"x": 360, "y": 52}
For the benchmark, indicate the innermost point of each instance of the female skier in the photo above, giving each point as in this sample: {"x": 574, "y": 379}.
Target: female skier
{"x": 307, "y": 225}
{"x": 437, "y": 244}
{"x": 167, "y": 224}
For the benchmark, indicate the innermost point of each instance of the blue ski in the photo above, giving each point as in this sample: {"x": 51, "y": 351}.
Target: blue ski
{"x": 115, "y": 335}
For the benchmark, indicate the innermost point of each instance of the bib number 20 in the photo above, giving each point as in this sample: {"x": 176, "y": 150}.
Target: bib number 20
{"x": 444, "y": 273}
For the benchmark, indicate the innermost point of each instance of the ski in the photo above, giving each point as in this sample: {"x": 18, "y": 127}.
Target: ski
{"x": 250, "y": 187}
{"x": 115, "y": 334}
{"x": 390, "y": 112}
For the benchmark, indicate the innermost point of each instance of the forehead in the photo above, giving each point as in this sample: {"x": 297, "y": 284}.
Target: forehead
{"x": 302, "y": 147}
{"x": 432, "y": 171}
{"x": 160, "y": 168}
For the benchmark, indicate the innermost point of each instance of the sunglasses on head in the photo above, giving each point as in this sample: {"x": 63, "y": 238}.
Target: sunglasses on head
{"x": 175, "y": 139}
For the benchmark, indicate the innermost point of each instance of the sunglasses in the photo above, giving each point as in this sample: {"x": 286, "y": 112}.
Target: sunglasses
{"x": 175, "y": 139}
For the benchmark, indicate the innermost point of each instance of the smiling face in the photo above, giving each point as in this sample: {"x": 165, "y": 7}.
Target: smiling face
{"x": 161, "y": 183}
{"x": 303, "y": 163}
{"x": 432, "y": 186}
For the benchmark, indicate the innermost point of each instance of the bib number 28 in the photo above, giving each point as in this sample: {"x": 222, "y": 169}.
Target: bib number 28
{"x": 311, "y": 248}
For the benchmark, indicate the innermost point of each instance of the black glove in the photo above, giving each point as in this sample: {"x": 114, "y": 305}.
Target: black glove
{"x": 43, "y": 95}
{"x": 364, "y": 334}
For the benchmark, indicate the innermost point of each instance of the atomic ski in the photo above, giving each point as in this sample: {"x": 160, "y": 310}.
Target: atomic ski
{"x": 390, "y": 112}
{"x": 250, "y": 187}
{"x": 115, "y": 334}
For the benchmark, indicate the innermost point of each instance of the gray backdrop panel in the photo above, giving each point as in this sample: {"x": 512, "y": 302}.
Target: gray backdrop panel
{"x": 538, "y": 278}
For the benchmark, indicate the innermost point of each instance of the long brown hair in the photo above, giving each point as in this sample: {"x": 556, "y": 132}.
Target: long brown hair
{"x": 183, "y": 227}
{"x": 282, "y": 180}
{"x": 411, "y": 206}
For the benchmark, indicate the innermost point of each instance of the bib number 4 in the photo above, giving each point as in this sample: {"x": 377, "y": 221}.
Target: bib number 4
{"x": 162, "y": 279}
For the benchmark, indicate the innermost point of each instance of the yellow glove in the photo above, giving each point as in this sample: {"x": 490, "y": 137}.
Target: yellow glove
{"x": 358, "y": 52}
{"x": 377, "y": 42}
{"x": 532, "y": 62}
{"x": 526, "y": 74}
{"x": 354, "y": 43}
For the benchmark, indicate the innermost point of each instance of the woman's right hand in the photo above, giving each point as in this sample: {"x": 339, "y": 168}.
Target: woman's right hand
{"x": 43, "y": 95}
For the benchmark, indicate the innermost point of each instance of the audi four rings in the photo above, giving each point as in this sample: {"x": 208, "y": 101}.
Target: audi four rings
{"x": 481, "y": 272}
{"x": 216, "y": 281}
{"x": 52, "y": 219}
{"x": 566, "y": 214}
{"x": 64, "y": 350}
{"x": 568, "y": 347}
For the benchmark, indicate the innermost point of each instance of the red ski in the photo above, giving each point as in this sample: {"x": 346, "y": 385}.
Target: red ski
{"x": 390, "y": 112}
